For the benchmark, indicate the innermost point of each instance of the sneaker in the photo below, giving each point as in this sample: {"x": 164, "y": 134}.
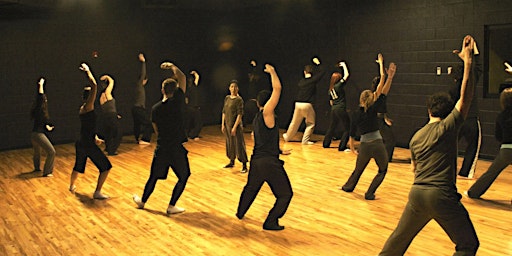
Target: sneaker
{"x": 244, "y": 170}
{"x": 308, "y": 143}
{"x": 100, "y": 196}
{"x": 347, "y": 150}
{"x": 174, "y": 210}
{"x": 142, "y": 142}
{"x": 274, "y": 226}
{"x": 48, "y": 175}
{"x": 138, "y": 201}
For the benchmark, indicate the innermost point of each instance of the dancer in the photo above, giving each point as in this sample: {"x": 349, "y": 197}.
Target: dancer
{"x": 167, "y": 118}
{"x": 503, "y": 133}
{"x": 112, "y": 133}
{"x": 365, "y": 120}
{"x": 470, "y": 130}
{"x": 385, "y": 123}
{"x": 304, "y": 104}
{"x": 232, "y": 127}
{"x": 338, "y": 108}
{"x": 141, "y": 122}
{"x": 87, "y": 145}
{"x": 194, "y": 122}
{"x": 433, "y": 159}
{"x": 42, "y": 125}
{"x": 265, "y": 163}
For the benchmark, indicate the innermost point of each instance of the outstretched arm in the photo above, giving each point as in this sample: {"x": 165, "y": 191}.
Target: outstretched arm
{"x": 508, "y": 68}
{"x": 89, "y": 103}
{"x": 110, "y": 86}
{"x": 143, "y": 79}
{"x": 196, "y": 77}
{"x": 389, "y": 79}
{"x": 343, "y": 66}
{"x": 378, "y": 90}
{"x": 270, "y": 106}
{"x": 41, "y": 85}
{"x": 467, "y": 86}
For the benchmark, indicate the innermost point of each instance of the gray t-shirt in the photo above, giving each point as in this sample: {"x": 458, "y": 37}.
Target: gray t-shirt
{"x": 434, "y": 149}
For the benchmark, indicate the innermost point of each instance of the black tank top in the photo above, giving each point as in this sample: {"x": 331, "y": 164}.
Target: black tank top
{"x": 266, "y": 140}
{"x": 88, "y": 128}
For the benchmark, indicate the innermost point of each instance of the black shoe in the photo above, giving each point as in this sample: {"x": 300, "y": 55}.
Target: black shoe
{"x": 239, "y": 216}
{"x": 230, "y": 165}
{"x": 272, "y": 226}
{"x": 369, "y": 197}
{"x": 346, "y": 189}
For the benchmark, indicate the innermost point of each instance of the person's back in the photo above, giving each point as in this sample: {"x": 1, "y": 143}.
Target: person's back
{"x": 266, "y": 140}
{"x": 168, "y": 116}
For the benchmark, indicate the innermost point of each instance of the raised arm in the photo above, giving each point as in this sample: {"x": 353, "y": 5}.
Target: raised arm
{"x": 389, "y": 78}
{"x": 143, "y": 79}
{"x": 270, "y": 106}
{"x": 196, "y": 77}
{"x": 89, "y": 103}
{"x": 110, "y": 86}
{"x": 181, "y": 78}
{"x": 378, "y": 90}
{"x": 467, "y": 85}
{"x": 343, "y": 66}
{"x": 508, "y": 68}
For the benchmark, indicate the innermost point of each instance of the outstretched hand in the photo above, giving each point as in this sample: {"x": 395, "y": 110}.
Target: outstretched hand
{"x": 142, "y": 58}
{"x": 466, "y": 52}
{"x": 84, "y": 67}
{"x": 269, "y": 69}
{"x": 508, "y": 68}
{"x": 390, "y": 71}
{"x": 106, "y": 78}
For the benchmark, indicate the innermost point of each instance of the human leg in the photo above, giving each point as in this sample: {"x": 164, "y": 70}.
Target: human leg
{"x": 502, "y": 160}
{"x": 310, "y": 124}
{"x": 473, "y": 135}
{"x": 279, "y": 183}
{"x": 345, "y": 120}
{"x": 295, "y": 123}
{"x": 180, "y": 166}
{"x": 36, "y": 157}
{"x": 381, "y": 159}
{"x": 363, "y": 158}
{"x": 330, "y": 130}
{"x": 136, "y": 122}
{"x": 255, "y": 180}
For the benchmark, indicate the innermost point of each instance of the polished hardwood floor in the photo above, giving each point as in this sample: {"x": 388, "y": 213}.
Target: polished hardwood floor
{"x": 39, "y": 216}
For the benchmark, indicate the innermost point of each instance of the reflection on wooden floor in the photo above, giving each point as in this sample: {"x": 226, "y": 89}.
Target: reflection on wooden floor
{"x": 40, "y": 216}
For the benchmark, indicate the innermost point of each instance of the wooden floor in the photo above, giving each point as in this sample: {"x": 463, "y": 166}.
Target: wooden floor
{"x": 39, "y": 216}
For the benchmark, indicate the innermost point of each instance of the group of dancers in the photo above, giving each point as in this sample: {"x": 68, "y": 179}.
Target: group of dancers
{"x": 433, "y": 148}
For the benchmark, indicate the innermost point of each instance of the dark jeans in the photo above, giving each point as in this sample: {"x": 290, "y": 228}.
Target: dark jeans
{"x": 193, "y": 121}
{"x": 141, "y": 122}
{"x": 502, "y": 160}
{"x": 338, "y": 115}
{"x": 165, "y": 157}
{"x": 368, "y": 150}
{"x": 444, "y": 206}
{"x": 270, "y": 170}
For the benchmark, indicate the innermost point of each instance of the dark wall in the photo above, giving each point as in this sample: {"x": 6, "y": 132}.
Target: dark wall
{"x": 419, "y": 36}
{"x": 219, "y": 42}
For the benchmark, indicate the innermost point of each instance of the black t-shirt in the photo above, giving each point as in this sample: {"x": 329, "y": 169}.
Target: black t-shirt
{"x": 168, "y": 117}
{"x": 366, "y": 121}
{"x": 88, "y": 128}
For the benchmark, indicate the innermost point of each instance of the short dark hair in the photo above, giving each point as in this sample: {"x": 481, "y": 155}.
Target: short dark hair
{"x": 170, "y": 86}
{"x": 440, "y": 104}
{"x": 263, "y": 97}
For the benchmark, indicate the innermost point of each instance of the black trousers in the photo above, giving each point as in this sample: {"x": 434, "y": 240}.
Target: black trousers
{"x": 165, "y": 157}
{"x": 111, "y": 132}
{"x": 141, "y": 123}
{"x": 338, "y": 115}
{"x": 368, "y": 150}
{"x": 193, "y": 121}
{"x": 270, "y": 170}
{"x": 444, "y": 206}
{"x": 502, "y": 161}
{"x": 387, "y": 137}
{"x": 471, "y": 132}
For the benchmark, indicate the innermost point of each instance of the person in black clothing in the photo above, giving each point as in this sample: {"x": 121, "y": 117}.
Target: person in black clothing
{"x": 87, "y": 145}
{"x": 471, "y": 130}
{"x": 434, "y": 194}
{"x": 110, "y": 118}
{"x": 365, "y": 120}
{"x": 265, "y": 163}
{"x": 41, "y": 126}
{"x": 338, "y": 108}
{"x": 304, "y": 104}
{"x": 141, "y": 122}
{"x": 193, "y": 120}
{"x": 167, "y": 118}
{"x": 503, "y": 133}
{"x": 385, "y": 124}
